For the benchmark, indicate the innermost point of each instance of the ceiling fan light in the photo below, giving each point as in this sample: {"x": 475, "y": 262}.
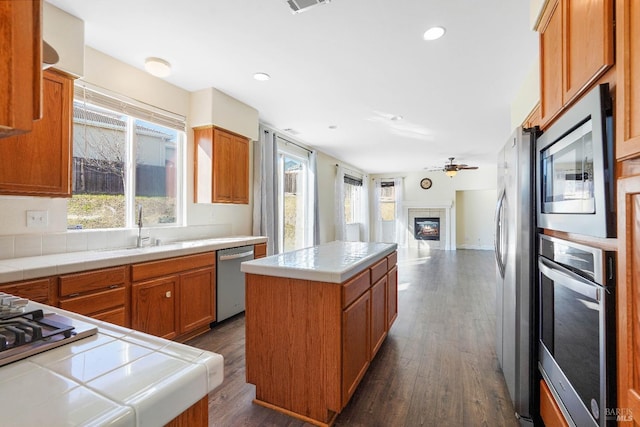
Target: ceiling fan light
{"x": 451, "y": 173}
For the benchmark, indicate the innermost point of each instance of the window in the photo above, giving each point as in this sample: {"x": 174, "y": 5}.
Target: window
{"x": 294, "y": 197}
{"x": 352, "y": 200}
{"x": 388, "y": 201}
{"x": 125, "y": 155}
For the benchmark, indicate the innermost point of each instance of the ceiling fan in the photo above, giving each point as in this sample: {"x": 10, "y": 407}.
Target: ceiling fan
{"x": 451, "y": 169}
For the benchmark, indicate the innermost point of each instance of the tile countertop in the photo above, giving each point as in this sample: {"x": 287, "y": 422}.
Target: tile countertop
{"x": 118, "y": 377}
{"x": 333, "y": 262}
{"x": 16, "y": 269}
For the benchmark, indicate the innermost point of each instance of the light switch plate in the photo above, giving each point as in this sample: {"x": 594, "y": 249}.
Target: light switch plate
{"x": 37, "y": 218}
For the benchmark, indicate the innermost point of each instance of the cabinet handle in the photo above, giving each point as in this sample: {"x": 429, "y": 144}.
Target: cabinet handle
{"x": 168, "y": 294}
{"x": 74, "y": 294}
{"x": 113, "y": 286}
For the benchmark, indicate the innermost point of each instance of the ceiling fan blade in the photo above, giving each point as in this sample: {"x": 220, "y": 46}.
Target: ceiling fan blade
{"x": 469, "y": 167}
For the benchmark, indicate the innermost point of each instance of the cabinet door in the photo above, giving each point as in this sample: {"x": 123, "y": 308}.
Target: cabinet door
{"x": 21, "y": 76}
{"x": 355, "y": 344}
{"x": 39, "y": 161}
{"x": 588, "y": 43}
{"x": 392, "y": 296}
{"x": 551, "y": 65}
{"x": 628, "y": 297}
{"x": 241, "y": 170}
{"x": 628, "y": 70}
{"x": 223, "y": 166}
{"x": 197, "y": 299}
{"x": 153, "y": 306}
{"x": 378, "y": 314}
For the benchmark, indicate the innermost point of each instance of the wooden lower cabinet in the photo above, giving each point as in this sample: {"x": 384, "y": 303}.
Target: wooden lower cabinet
{"x": 628, "y": 298}
{"x": 102, "y": 294}
{"x": 392, "y": 296}
{"x": 379, "y": 324}
{"x": 174, "y": 298}
{"x": 309, "y": 343}
{"x": 356, "y": 347}
{"x": 153, "y": 306}
{"x": 260, "y": 250}
{"x": 197, "y": 299}
{"x": 197, "y": 415}
{"x": 549, "y": 409}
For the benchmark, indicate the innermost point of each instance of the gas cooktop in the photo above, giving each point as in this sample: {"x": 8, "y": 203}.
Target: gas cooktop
{"x": 26, "y": 329}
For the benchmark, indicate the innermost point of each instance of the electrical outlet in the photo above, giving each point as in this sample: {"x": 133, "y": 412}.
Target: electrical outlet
{"x": 37, "y": 218}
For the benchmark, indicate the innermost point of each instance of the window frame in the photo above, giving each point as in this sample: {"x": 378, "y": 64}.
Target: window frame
{"x": 133, "y": 110}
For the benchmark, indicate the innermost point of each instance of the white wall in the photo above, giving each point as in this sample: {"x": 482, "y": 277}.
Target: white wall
{"x": 444, "y": 190}
{"x": 475, "y": 218}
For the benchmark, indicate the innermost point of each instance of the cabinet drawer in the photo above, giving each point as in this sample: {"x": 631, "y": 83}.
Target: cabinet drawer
{"x": 35, "y": 290}
{"x": 378, "y": 270}
{"x": 355, "y": 287}
{"x": 115, "y": 316}
{"x": 91, "y": 281}
{"x": 96, "y": 302}
{"x": 392, "y": 260}
{"x": 260, "y": 250}
{"x": 148, "y": 270}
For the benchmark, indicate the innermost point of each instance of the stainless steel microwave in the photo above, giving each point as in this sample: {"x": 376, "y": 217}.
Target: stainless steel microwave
{"x": 575, "y": 169}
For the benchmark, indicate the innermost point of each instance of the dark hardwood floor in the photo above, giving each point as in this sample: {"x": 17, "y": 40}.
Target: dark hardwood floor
{"x": 437, "y": 367}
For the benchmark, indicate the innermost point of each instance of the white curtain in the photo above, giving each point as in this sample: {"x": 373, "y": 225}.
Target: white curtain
{"x": 398, "y": 184}
{"x": 377, "y": 215}
{"x": 365, "y": 209}
{"x": 265, "y": 189}
{"x": 313, "y": 169}
{"x": 339, "y": 198}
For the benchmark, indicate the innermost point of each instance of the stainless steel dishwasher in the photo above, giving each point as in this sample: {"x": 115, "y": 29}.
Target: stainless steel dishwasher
{"x": 230, "y": 281}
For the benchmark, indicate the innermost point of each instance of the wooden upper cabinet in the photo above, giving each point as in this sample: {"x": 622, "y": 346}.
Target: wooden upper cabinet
{"x": 38, "y": 163}
{"x": 551, "y": 65}
{"x": 20, "y": 65}
{"x": 588, "y": 29}
{"x": 576, "y": 48}
{"x": 222, "y": 166}
{"x": 628, "y": 87}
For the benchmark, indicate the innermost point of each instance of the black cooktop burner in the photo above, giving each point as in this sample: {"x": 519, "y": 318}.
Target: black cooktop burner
{"x": 29, "y": 330}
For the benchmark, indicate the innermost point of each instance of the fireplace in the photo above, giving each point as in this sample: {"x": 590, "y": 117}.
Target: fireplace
{"x": 426, "y": 228}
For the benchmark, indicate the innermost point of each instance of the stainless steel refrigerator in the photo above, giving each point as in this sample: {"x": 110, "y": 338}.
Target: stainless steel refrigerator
{"x": 514, "y": 248}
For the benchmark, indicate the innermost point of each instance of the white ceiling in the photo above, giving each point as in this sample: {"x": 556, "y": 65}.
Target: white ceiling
{"x": 349, "y": 63}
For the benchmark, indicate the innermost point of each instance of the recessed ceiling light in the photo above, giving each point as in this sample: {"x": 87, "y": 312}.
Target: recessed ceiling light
{"x": 262, "y": 77}
{"x": 434, "y": 33}
{"x": 333, "y": 127}
{"x": 157, "y": 67}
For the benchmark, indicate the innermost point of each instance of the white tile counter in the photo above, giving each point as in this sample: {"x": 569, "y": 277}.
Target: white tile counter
{"x": 16, "y": 269}
{"x": 333, "y": 262}
{"x": 118, "y": 377}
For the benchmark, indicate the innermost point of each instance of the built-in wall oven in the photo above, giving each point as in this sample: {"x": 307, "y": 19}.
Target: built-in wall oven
{"x": 575, "y": 169}
{"x": 577, "y": 329}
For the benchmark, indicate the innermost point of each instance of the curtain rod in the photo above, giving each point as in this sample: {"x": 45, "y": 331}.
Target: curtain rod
{"x": 293, "y": 143}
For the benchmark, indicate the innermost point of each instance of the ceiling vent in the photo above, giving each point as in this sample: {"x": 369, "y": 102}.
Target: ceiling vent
{"x": 298, "y": 6}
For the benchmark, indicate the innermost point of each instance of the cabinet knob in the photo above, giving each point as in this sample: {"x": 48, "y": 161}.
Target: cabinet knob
{"x": 168, "y": 294}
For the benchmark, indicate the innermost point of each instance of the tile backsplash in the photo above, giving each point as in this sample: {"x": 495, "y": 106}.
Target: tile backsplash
{"x": 26, "y": 245}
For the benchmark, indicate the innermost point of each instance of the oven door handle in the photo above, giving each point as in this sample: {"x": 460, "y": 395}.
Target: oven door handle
{"x": 562, "y": 276}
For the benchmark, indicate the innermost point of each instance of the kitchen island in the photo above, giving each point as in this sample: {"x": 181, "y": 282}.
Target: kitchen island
{"x": 315, "y": 318}
{"x": 117, "y": 377}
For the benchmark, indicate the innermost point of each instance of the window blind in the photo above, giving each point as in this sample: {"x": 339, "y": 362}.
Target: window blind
{"x": 352, "y": 180}
{"x": 387, "y": 184}
{"x": 85, "y": 92}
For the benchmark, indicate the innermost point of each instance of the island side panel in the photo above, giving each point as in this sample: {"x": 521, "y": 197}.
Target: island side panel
{"x": 293, "y": 356}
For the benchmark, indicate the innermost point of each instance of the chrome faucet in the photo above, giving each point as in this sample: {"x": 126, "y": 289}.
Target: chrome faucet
{"x": 140, "y": 239}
